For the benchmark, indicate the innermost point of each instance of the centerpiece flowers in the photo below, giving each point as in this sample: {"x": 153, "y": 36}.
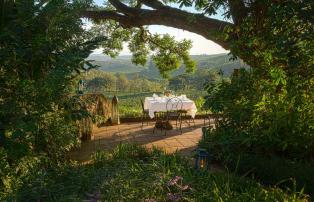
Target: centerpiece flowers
{"x": 168, "y": 93}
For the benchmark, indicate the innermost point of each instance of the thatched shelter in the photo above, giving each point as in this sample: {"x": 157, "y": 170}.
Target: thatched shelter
{"x": 100, "y": 113}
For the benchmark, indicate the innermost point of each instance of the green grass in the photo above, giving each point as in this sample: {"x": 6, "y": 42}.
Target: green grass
{"x": 132, "y": 173}
{"x": 130, "y": 106}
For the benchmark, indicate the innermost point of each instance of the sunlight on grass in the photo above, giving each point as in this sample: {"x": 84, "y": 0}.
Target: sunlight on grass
{"x": 133, "y": 173}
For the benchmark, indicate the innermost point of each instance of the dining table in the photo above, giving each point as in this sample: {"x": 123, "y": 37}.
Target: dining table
{"x": 159, "y": 104}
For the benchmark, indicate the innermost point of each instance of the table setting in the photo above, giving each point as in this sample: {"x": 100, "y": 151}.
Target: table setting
{"x": 164, "y": 103}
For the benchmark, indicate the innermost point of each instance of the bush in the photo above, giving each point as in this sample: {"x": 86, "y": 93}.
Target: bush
{"x": 267, "y": 168}
{"x": 268, "y": 110}
{"x": 42, "y": 47}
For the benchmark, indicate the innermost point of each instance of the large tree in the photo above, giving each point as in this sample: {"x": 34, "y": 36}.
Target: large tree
{"x": 139, "y": 13}
{"x": 273, "y": 103}
{"x": 136, "y": 14}
{"x": 126, "y": 22}
{"x": 243, "y": 19}
{"x": 42, "y": 49}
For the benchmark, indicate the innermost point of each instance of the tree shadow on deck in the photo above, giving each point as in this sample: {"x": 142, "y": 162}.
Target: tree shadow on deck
{"x": 107, "y": 138}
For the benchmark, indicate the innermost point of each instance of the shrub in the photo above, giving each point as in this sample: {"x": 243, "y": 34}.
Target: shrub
{"x": 42, "y": 47}
{"x": 268, "y": 109}
{"x": 266, "y": 167}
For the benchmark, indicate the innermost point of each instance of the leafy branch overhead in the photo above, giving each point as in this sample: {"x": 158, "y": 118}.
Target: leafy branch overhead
{"x": 244, "y": 21}
{"x": 129, "y": 18}
{"x": 125, "y": 21}
{"x": 132, "y": 14}
{"x": 166, "y": 52}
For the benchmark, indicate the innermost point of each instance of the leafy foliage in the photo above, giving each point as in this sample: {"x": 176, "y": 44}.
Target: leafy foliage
{"x": 168, "y": 54}
{"x": 196, "y": 81}
{"x": 42, "y": 49}
{"x": 269, "y": 110}
{"x": 99, "y": 83}
{"x": 132, "y": 173}
{"x": 102, "y": 82}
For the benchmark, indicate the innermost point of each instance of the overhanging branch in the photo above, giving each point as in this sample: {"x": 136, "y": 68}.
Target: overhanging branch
{"x": 153, "y": 4}
{"x": 162, "y": 15}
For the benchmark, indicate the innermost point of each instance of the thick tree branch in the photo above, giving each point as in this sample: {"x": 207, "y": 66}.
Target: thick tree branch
{"x": 130, "y": 11}
{"x": 237, "y": 10}
{"x": 163, "y": 15}
{"x": 153, "y": 4}
{"x": 98, "y": 15}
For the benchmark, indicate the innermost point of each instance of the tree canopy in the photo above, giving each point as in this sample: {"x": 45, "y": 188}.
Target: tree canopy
{"x": 239, "y": 32}
{"x": 42, "y": 50}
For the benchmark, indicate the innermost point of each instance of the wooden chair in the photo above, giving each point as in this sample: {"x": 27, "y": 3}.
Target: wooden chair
{"x": 186, "y": 116}
{"x": 160, "y": 120}
{"x": 173, "y": 111}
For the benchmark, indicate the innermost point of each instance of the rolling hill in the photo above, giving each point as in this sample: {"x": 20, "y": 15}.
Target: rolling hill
{"x": 123, "y": 64}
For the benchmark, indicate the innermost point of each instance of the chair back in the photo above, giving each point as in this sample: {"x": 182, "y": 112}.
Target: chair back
{"x": 142, "y": 105}
{"x": 174, "y": 104}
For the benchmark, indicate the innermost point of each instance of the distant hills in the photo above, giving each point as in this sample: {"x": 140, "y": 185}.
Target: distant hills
{"x": 123, "y": 64}
{"x": 120, "y": 64}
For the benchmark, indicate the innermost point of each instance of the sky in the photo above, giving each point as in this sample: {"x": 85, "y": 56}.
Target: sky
{"x": 200, "y": 44}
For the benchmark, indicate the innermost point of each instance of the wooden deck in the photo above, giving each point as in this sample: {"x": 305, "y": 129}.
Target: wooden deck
{"x": 106, "y": 138}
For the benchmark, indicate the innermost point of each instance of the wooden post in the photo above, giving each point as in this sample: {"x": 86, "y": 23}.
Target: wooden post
{"x": 115, "y": 111}
{"x": 86, "y": 129}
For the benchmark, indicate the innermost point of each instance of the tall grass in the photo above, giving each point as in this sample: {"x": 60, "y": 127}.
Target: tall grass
{"x": 132, "y": 173}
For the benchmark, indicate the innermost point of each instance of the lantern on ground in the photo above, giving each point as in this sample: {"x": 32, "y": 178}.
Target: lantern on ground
{"x": 201, "y": 159}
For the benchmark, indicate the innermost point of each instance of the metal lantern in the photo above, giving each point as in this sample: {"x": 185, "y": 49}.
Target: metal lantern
{"x": 201, "y": 159}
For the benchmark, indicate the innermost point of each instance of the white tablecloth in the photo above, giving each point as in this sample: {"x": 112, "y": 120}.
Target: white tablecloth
{"x": 160, "y": 104}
